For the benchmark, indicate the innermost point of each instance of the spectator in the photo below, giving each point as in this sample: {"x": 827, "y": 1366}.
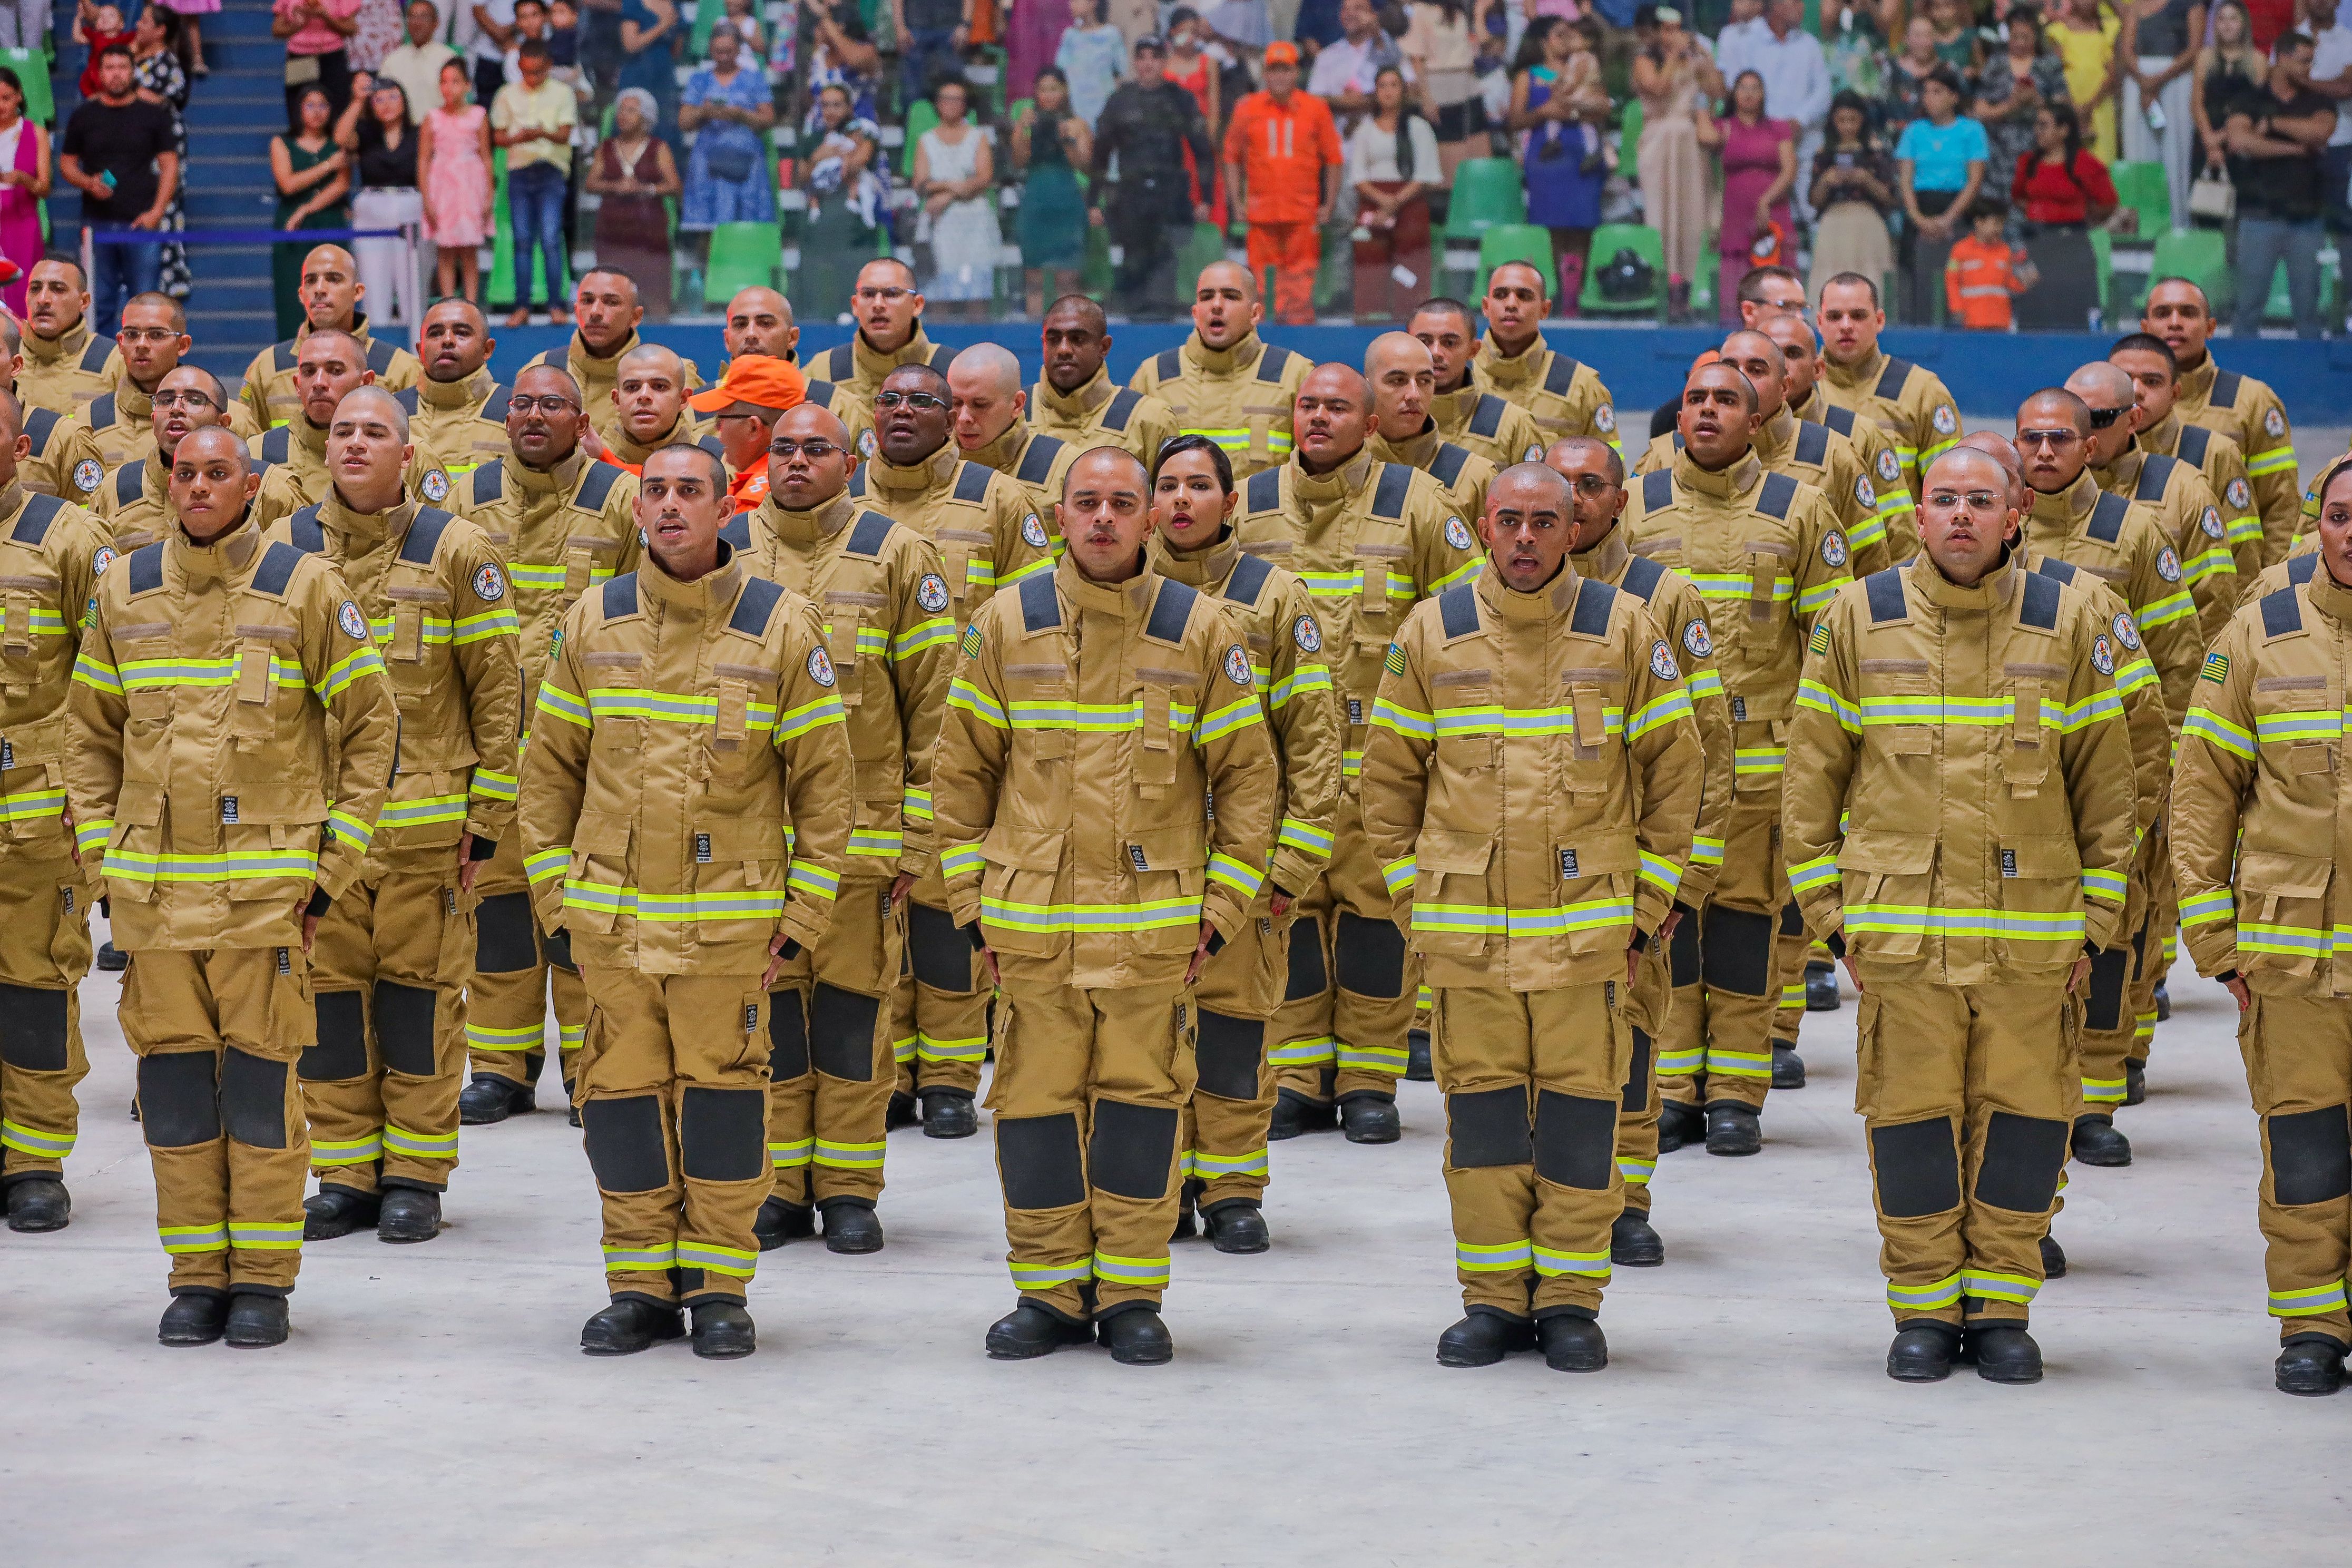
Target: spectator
{"x": 1675, "y": 78}
{"x": 2270, "y": 20}
{"x": 634, "y": 173}
{"x": 730, "y": 176}
{"x": 1906, "y": 76}
{"x": 533, "y": 120}
{"x": 1955, "y": 36}
{"x": 375, "y": 130}
{"x": 1197, "y": 63}
{"x": 2085, "y": 39}
{"x": 2331, "y": 78}
{"x": 1050, "y": 144}
{"x": 1445, "y": 56}
{"x": 191, "y": 40}
{"x": 1035, "y": 33}
{"x": 416, "y": 64}
{"x": 1092, "y": 56}
{"x": 377, "y": 31}
{"x": 1347, "y": 67}
{"x": 739, "y": 16}
{"x": 1939, "y": 163}
{"x": 494, "y": 30}
{"x": 846, "y": 197}
{"x": 2156, "y": 58}
{"x": 1759, "y": 170}
{"x": 2015, "y": 85}
{"x": 452, "y": 172}
{"x": 96, "y": 26}
{"x": 840, "y": 50}
{"x": 1984, "y": 272}
{"x": 1553, "y": 91}
{"x": 2062, "y": 189}
{"x": 1152, "y": 127}
{"x": 23, "y": 183}
{"x": 649, "y": 44}
{"x": 314, "y": 179}
{"x": 316, "y": 33}
{"x": 162, "y": 80}
{"x": 1854, "y": 192}
{"x": 1391, "y": 155}
{"x": 1134, "y": 19}
{"x": 955, "y": 176}
{"x": 1794, "y": 69}
{"x": 1318, "y": 25}
{"x": 1282, "y": 164}
{"x": 2277, "y": 137}
{"x": 529, "y": 23}
{"x": 1855, "y": 50}
{"x": 931, "y": 36}
{"x": 1241, "y": 26}
{"x": 2226, "y": 69}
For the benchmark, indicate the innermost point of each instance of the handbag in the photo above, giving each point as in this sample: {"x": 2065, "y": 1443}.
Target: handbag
{"x": 729, "y": 165}
{"x": 2213, "y": 196}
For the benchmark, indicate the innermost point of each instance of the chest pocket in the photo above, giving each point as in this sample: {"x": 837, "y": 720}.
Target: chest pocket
{"x": 1038, "y": 783}
{"x": 1886, "y": 880}
{"x": 851, "y": 634}
{"x": 731, "y": 739}
{"x": 1375, "y": 609}
{"x": 1596, "y": 705}
{"x": 1763, "y": 563}
{"x": 1467, "y": 786}
{"x": 1895, "y": 690}
{"x": 2297, "y": 726}
{"x": 1160, "y": 737}
{"x": 579, "y": 570}
{"x": 966, "y": 553}
{"x": 2025, "y": 760}
{"x": 20, "y": 658}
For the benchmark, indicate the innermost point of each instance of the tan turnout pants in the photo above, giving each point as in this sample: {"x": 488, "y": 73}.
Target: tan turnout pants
{"x": 1350, "y": 998}
{"x": 515, "y": 966}
{"x": 1716, "y": 1047}
{"x": 830, "y": 1071}
{"x": 2298, "y": 1052}
{"x": 44, "y": 950}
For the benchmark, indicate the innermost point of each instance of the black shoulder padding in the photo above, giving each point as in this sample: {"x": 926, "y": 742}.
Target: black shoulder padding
{"x": 276, "y": 569}
{"x": 1446, "y": 467}
{"x": 2282, "y": 612}
{"x": 1264, "y": 491}
{"x": 278, "y": 444}
{"x": 1037, "y": 462}
{"x": 1643, "y": 576}
{"x": 2299, "y": 569}
{"x": 131, "y": 481}
{"x": 1778, "y": 494}
{"x": 308, "y": 537}
{"x": 1170, "y": 611}
{"x": 1562, "y": 374}
{"x": 2226, "y": 386}
{"x": 2038, "y": 604}
{"x": 820, "y": 393}
{"x": 1169, "y": 365}
{"x": 866, "y": 535}
{"x": 840, "y": 363}
{"x": 93, "y": 357}
{"x": 857, "y": 480}
{"x": 1593, "y": 599}
{"x": 1884, "y": 590}
{"x": 621, "y": 596}
{"x": 1487, "y": 417}
{"x": 1248, "y": 581}
{"x": 40, "y": 423}
{"x": 1891, "y": 379}
{"x": 407, "y": 400}
{"x": 754, "y": 606}
{"x": 2154, "y": 475}
{"x": 2106, "y": 523}
{"x": 380, "y": 354}
{"x": 596, "y": 485}
{"x": 1838, "y": 419}
{"x": 281, "y": 355}
{"x": 490, "y": 481}
{"x": 1041, "y": 608}
{"x": 33, "y": 522}
{"x": 971, "y": 482}
{"x": 738, "y": 531}
{"x": 1657, "y": 489}
{"x": 1273, "y": 363}
{"x": 101, "y": 412}
{"x": 714, "y": 446}
{"x": 1120, "y": 408}
{"x": 2063, "y": 571}
{"x": 2196, "y": 441}
{"x": 495, "y": 409}
{"x": 943, "y": 356}
{"x": 424, "y": 535}
{"x": 1812, "y": 443}
{"x": 1388, "y": 499}
{"x": 146, "y": 569}
{"x": 1458, "y": 610}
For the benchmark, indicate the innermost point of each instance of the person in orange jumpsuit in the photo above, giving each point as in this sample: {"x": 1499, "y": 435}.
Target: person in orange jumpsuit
{"x": 1282, "y": 160}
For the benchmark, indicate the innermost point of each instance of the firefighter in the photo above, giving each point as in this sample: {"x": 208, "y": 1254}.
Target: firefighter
{"x": 1515, "y": 362}
{"x": 1081, "y": 856}
{"x": 1225, "y": 381}
{"x": 1906, "y": 402}
{"x": 1467, "y": 414}
{"x": 566, "y": 525}
{"x": 331, "y": 294}
{"x": 1078, "y": 402}
{"x": 65, "y": 460}
{"x": 889, "y": 310}
{"x": 2257, "y": 840}
{"x": 208, "y": 803}
{"x": 1801, "y": 351}
{"x": 1959, "y": 823}
{"x": 155, "y": 335}
{"x": 685, "y": 817}
{"x": 2238, "y": 405}
{"x": 329, "y": 365}
{"x": 1404, "y": 379}
{"x": 457, "y": 415}
{"x": 650, "y": 392}
{"x": 1225, "y": 1158}
{"x": 1766, "y": 555}
{"x": 607, "y": 314}
{"x": 1531, "y": 785}
{"x": 989, "y": 418}
{"x": 135, "y": 502}
{"x": 2175, "y": 496}
{"x": 394, "y": 952}
{"x": 760, "y": 322}
{"x": 2160, "y": 431}
{"x": 65, "y": 364}
{"x": 1371, "y": 540}
{"x": 883, "y": 595}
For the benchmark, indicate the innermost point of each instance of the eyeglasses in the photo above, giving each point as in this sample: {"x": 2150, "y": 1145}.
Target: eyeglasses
{"x": 814, "y": 451}
{"x": 188, "y": 400}
{"x": 521, "y": 403}
{"x": 883, "y": 295}
{"x": 1975, "y": 500}
{"x": 147, "y": 334}
{"x": 911, "y": 399}
{"x": 2103, "y": 417}
{"x": 2061, "y": 437}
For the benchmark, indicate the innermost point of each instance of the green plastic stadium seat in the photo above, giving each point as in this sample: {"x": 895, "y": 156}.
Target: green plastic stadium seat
{"x": 2141, "y": 186}
{"x": 1607, "y": 241}
{"x": 742, "y": 256}
{"x": 1516, "y": 242}
{"x": 1487, "y": 192}
{"x": 2200, "y": 255}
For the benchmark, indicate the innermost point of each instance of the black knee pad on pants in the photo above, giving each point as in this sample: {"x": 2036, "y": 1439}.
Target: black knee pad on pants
{"x": 504, "y": 943}
{"x": 1227, "y": 1052}
{"x": 1736, "y": 955}
{"x": 938, "y": 950}
{"x": 1308, "y": 977}
{"x": 2109, "y": 972}
{"x": 841, "y": 1032}
{"x": 253, "y": 1100}
{"x": 1576, "y": 1140}
{"x": 1918, "y": 1168}
{"x": 179, "y": 1100}
{"x": 1792, "y": 920}
{"x": 34, "y": 1034}
{"x": 1039, "y": 1159}
{"x": 2311, "y": 1156}
{"x": 1489, "y": 1127}
{"x": 2023, "y": 1157}
{"x": 1134, "y": 1149}
{"x": 1636, "y": 1097}
{"x": 404, "y": 1027}
{"x": 1681, "y": 951}
{"x": 625, "y": 1144}
{"x": 1370, "y": 956}
{"x": 722, "y": 1133}
{"x": 342, "y": 1053}
{"x": 788, "y": 1040}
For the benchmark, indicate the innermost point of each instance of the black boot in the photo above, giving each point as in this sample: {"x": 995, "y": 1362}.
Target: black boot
{"x": 2053, "y": 1258}
{"x": 1135, "y": 1336}
{"x": 779, "y": 1222}
{"x": 1370, "y": 1119}
{"x": 195, "y": 1319}
{"x": 1237, "y": 1225}
{"x": 1788, "y": 1066}
{"x": 2163, "y": 1002}
{"x": 625, "y": 1328}
{"x": 112, "y": 958}
{"x": 334, "y": 1211}
{"x": 2135, "y": 1083}
{"x": 254, "y": 1322}
{"x": 1484, "y": 1337}
{"x": 1733, "y": 1128}
{"x": 1572, "y": 1344}
{"x": 949, "y": 1113}
{"x": 850, "y": 1226}
{"x": 1185, "y": 1227}
{"x": 1821, "y": 988}
{"x": 1633, "y": 1243}
{"x": 1679, "y": 1125}
{"x": 1417, "y": 1068}
{"x": 902, "y": 1112}
{"x": 2005, "y": 1353}
{"x": 408, "y": 1214}
{"x": 38, "y": 1204}
{"x": 1923, "y": 1353}
{"x": 491, "y": 1098}
{"x": 1029, "y": 1331}
{"x": 1295, "y": 1113}
{"x": 722, "y": 1330}
{"x": 2096, "y": 1142}
{"x": 2308, "y": 1365}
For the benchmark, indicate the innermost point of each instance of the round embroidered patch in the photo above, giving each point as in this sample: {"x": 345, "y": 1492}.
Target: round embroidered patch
{"x": 931, "y": 593}
{"x": 1033, "y": 532}
{"x": 1237, "y": 669}
{"x": 1697, "y": 641}
{"x": 103, "y": 559}
{"x": 489, "y": 586}
{"x": 87, "y": 475}
{"x": 355, "y": 625}
{"x": 1890, "y": 467}
{"x": 1945, "y": 421}
{"x": 1661, "y": 662}
{"x": 1833, "y": 548}
{"x": 819, "y": 668}
{"x": 1604, "y": 419}
{"x": 1457, "y": 534}
{"x": 2211, "y": 523}
{"x": 435, "y": 486}
{"x": 2241, "y": 496}
{"x": 2103, "y": 657}
{"x": 2126, "y": 633}
{"x": 1862, "y": 492}
{"x": 866, "y": 443}
{"x": 2275, "y": 423}
{"x": 1307, "y": 635}
{"x": 2168, "y": 565}
{"x": 1533, "y": 454}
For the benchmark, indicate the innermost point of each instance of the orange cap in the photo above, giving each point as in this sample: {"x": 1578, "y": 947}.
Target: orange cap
{"x": 1282, "y": 54}
{"x": 756, "y": 380}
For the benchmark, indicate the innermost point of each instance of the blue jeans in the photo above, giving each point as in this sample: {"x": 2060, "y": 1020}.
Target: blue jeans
{"x": 116, "y": 273}
{"x": 2263, "y": 244}
{"x": 535, "y": 203}
{"x": 934, "y": 48}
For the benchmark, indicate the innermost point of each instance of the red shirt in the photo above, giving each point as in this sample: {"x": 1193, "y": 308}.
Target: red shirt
{"x": 1282, "y": 149}
{"x": 2267, "y": 19}
{"x": 2051, "y": 192}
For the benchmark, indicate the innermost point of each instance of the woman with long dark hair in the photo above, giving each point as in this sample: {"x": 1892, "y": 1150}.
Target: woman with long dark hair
{"x": 1392, "y": 162}
{"x": 163, "y": 82}
{"x": 1940, "y": 162}
{"x": 1853, "y": 192}
{"x": 314, "y": 179}
{"x": 374, "y": 130}
{"x": 24, "y": 176}
{"x": 1759, "y": 170}
{"x": 2061, "y": 188}
{"x": 1553, "y": 83}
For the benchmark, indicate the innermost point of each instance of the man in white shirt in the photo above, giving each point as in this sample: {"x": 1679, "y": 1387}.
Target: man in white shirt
{"x": 2331, "y": 77}
{"x": 416, "y": 64}
{"x": 493, "y": 34}
{"x": 1344, "y": 72}
{"x": 1796, "y": 73}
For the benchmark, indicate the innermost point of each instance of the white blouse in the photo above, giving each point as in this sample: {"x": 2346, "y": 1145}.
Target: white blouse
{"x": 1371, "y": 153}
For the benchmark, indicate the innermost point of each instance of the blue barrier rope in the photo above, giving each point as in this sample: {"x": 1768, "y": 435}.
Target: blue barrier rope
{"x": 235, "y": 236}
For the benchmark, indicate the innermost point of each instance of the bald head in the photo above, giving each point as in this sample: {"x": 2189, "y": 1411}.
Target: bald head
{"x": 1759, "y": 358}
{"x": 327, "y": 368}
{"x": 989, "y": 365}
{"x": 2101, "y": 384}
{"x": 2053, "y": 430}
{"x": 649, "y": 390}
{"x": 1529, "y": 525}
{"x": 1966, "y": 518}
{"x": 1225, "y": 305}
{"x": 2002, "y": 450}
{"x": 760, "y": 322}
{"x": 1573, "y": 454}
{"x": 652, "y": 357}
{"x": 1331, "y": 417}
{"x": 809, "y": 457}
{"x": 1402, "y": 374}
{"x": 330, "y": 288}
{"x": 984, "y": 394}
{"x": 212, "y": 482}
{"x": 1077, "y": 336}
{"x": 374, "y": 403}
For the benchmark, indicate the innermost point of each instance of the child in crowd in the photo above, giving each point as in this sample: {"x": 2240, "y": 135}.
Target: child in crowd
{"x": 1985, "y": 271}
{"x": 97, "y": 26}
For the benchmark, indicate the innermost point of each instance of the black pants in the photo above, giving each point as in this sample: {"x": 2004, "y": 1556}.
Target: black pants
{"x": 489, "y": 77}
{"x": 2062, "y": 298}
{"x": 1148, "y": 219}
{"x": 1920, "y": 263}
{"x": 335, "y": 76}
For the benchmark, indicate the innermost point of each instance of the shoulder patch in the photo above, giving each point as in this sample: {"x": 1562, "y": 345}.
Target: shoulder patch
{"x": 1812, "y": 443}
{"x": 101, "y": 412}
{"x": 931, "y": 593}
{"x": 819, "y": 668}
{"x": 972, "y": 481}
{"x": 1457, "y": 534}
{"x": 379, "y": 355}
{"x": 1041, "y": 610}
{"x": 1170, "y": 611}
{"x": 1890, "y": 467}
{"x": 146, "y": 569}
{"x": 1169, "y": 365}
{"x": 1248, "y": 579}
{"x": 858, "y": 475}
{"x": 1120, "y": 409}
{"x": 489, "y": 586}
{"x": 2216, "y": 669}
{"x": 1778, "y": 494}
{"x": 1561, "y": 376}
{"x": 1643, "y": 576}
{"x": 2107, "y": 524}
{"x": 2103, "y": 656}
{"x": 972, "y": 641}
{"x": 1657, "y": 489}
{"x": 494, "y": 408}
{"x": 1661, "y": 662}
{"x": 2226, "y": 386}
{"x": 281, "y": 355}
{"x": 33, "y": 522}
{"x": 355, "y": 625}
{"x": 1833, "y": 548}
{"x": 1387, "y": 496}
{"x": 2038, "y": 604}
{"x": 308, "y": 537}
{"x": 1838, "y": 419}
{"x": 1457, "y": 614}
{"x": 1264, "y": 491}
{"x": 40, "y": 423}
{"x": 596, "y": 485}
{"x": 1237, "y": 666}
{"x": 1393, "y": 660}
{"x": 2211, "y": 523}
{"x": 867, "y": 534}
{"x": 1884, "y": 590}
{"x": 866, "y": 446}
{"x": 1595, "y": 600}
{"x": 755, "y": 606}
{"x": 433, "y": 487}
{"x": 101, "y": 559}
{"x": 2241, "y": 495}
{"x": 277, "y": 570}
{"x": 87, "y": 475}
{"x": 2299, "y": 569}
{"x": 407, "y": 400}
{"x": 2126, "y": 631}
{"x": 425, "y": 531}
{"x": 276, "y": 444}
{"x": 821, "y": 392}
{"x": 1946, "y": 421}
{"x": 1697, "y": 641}
{"x": 2154, "y": 475}
{"x": 2282, "y": 613}
{"x": 1446, "y": 467}
{"x": 2196, "y": 441}
{"x": 621, "y": 596}
{"x": 1864, "y": 496}
{"x": 2052, "y": 566}
{"x": 1819, "y": 642}
{"x": 1307, "y": 635}
{"x": 1037, "y": 462}
{"x": 737, "y": 531}
{"x": 1487, "y": 417}
{"x": 1032, "y": 532}
{"x": 93, "y": 354}
{"x": 2168, "y": 565}
{"x": 1604, "y": 419}
{"x": 2274, "y": 425}
{"x": 1892, "y": 377}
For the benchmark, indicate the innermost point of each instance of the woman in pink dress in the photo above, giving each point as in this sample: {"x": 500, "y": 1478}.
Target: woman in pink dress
{"x": 453, "y": 171}
{"x": 1759, "y": 169}
{"x": 24, "y": 181}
